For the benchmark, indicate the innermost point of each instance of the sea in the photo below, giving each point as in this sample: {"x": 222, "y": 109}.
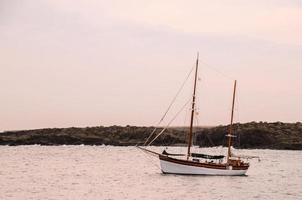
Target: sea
{"x": 110, "y": 172}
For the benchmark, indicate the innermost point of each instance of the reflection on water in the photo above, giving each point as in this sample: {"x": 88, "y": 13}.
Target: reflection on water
{"x": 105, "y": 172}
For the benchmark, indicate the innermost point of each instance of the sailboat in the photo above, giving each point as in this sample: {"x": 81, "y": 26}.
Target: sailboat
{"x": 202, "y": 164}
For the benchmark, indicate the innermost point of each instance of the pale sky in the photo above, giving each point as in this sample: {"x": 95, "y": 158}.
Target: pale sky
{"x": 88, "y": 63}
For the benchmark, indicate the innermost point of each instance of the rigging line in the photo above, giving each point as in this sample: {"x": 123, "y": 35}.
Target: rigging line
{"x": 237, "y": 106}
{"x": 195, "y": 130}
{"x": 216, "y": 70}
{"x": 173, "y": 100}
{"x": 237, "y": 119}
{"x": 185, "y": 119}
{"x": 197, "y": 125}
{"x": 149, "y": 158}
{"x": 170, "y": 105}
{"x": 184, "y": 127}
{"x": 150, "y": 136}
{"x": 169, "y": 122}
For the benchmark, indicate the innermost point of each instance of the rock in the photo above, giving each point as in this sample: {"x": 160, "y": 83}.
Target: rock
{"x": 249, "y": 135}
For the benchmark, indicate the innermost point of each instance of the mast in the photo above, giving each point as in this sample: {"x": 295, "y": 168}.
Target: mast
{"x": 230, "y": 136}
{"x": 192, "y": 111}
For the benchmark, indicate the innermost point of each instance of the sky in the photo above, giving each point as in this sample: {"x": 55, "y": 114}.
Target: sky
{"x": 85, "y": 63}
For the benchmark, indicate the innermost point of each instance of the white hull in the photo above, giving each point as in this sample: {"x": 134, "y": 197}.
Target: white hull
{"x": 175, "y": 168}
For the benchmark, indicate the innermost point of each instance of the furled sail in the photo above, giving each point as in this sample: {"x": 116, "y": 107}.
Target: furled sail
{"x": 171, "y": 154}
{"x": 196, "y": 155}
{"x": 199, "y": 155}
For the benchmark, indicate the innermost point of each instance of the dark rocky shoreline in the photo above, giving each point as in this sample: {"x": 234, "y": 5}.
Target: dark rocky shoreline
{"x": 251, "y": 135}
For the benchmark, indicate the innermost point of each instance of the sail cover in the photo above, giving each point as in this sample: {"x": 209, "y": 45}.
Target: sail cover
{"x": 196, "y": 155}
{"x": 199, "y": 155}
{"x": 171, "y": 154}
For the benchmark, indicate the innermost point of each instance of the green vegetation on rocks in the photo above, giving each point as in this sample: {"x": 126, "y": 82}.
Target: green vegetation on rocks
{"x": 249, "y": 135}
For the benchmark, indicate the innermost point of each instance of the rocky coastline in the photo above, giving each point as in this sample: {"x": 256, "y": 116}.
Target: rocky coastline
{"x": 253, "y": 135}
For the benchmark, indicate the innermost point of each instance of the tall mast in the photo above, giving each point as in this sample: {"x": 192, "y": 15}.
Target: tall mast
{"x": 192, "y": 111}
{"x": 230, "y": 136}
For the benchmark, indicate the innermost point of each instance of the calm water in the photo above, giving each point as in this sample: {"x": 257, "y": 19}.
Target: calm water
{"x": 104, "y": 172}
